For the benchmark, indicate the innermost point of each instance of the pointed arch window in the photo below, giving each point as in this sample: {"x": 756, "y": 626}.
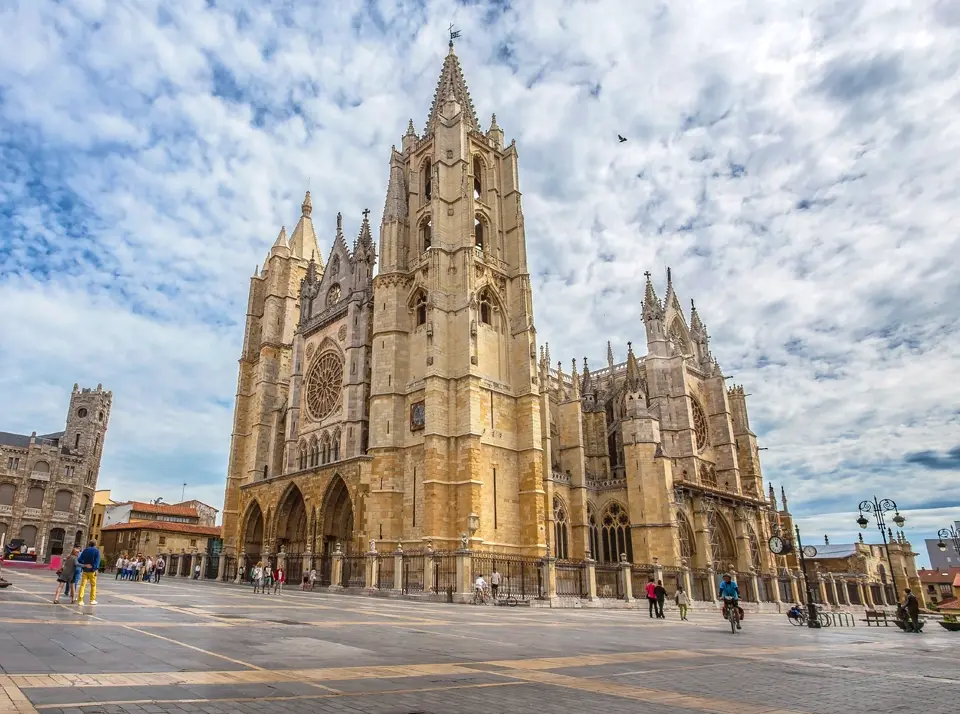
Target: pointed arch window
{"x": 477, "y": 178}
{"x": 426, "y": 233}
{"x": 486, "y": 307}
{"x": 325, "y": 450}
{"x": 420, "y": 307}
{"x": 335, "y": 446}
{"x": 594, "y": 533}
{"x": 560, "y": 529}
{"x": 615, "y": 534}
{"x": 428, "y": 179}
{"x": 688, "y": 544}
{"x": 302, "y": 456}
{"x": 478, "y": 232}
{"x": 314, "y": 457}
{"x": 722, "y": 547}
{"x": 708, "y": 474}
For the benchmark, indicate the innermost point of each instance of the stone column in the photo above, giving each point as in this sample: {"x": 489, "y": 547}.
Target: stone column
{"x": 627, "y": 577}
{"x": 183, "y": 557}
{"x": 712, "y": 579}
{"x": 241, "y": 563}
{"x": 203, "y": 566}
{"x": 549, "y": 570}
{"x": 336, "y": 569}
{"x": 833, "y": 589}
{"x": 370, "y": 579}
{"x": 398, "y": 570}
{"x": 863, "y": 598}
{"x": 429, "y": 571}
{"x": 591, "y": 568}
{"x": 687, "y": 579}
{"x": 775, "y": 584}
{"x": 282, "y": 560}
{"x": 794, "y": 587}
{"x": 868, "y": 591}
{"x": 464, "y": 574}
{"x": 221, "y": 566}
{"x": 756, "y": 585}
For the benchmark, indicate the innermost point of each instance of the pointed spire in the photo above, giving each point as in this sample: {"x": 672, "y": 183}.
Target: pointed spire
{"x": 783, "y": 497}
{"x": 587, "y": 388}
{"x": 395, "y": 205}
{"x": 670, "y": 298}
{"x": 281, "y": 241}
{"x": 364, "y": 240}
{"x": 547, "y": 352}
{"x": 411, "y": 130}
{"x": 561, "y": 387}
{"x": 696, "y": 326}
{"x": 609, "y": 355}
{"x": 652, "y": 308}
{"x": 575, "y": 394}
{"x": 773, "y": 497}
{"x": 493, "y": 123}
{"x": 826, "y": 539}
{"x": 633, "y": 369}
{"x": 311, "y": 271}
{"x": 452, "y": 84}
{"x": 303, "y": 241}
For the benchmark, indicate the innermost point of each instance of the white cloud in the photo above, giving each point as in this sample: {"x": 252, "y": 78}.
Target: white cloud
{"x": 795, "y": 164}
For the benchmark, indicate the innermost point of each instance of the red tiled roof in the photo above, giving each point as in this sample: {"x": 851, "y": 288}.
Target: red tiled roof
{"x": 164, "y": 526}
{"x": 938, "y": 576}
{"x": 163, "y": 509}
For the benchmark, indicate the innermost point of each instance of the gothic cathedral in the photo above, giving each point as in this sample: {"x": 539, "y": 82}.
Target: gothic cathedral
{"x": 412, "y": 406}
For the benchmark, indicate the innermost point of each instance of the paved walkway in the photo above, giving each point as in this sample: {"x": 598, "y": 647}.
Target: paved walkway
{"x": 195, "y": 646}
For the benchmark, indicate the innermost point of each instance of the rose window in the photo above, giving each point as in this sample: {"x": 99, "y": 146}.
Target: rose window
{"x": 324, "y": 384}
{"x": 333, "y": 295}
{"x": 699, "y": 424}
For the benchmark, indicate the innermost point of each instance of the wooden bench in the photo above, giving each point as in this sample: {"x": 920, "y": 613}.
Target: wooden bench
{"x": 876, "y": 617}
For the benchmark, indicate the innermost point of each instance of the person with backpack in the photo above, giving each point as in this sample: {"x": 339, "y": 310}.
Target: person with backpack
{"x": 158, "y": 568}
{"x": 65, "y": 576}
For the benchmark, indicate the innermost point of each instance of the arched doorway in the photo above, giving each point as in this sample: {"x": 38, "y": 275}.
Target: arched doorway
{"x": 57, "y": 537}
{"x": 337, "y": 515}
{"x": 253, "y": 532}
{"x": 723, "y": 549}
{"x": 292, "y": 522}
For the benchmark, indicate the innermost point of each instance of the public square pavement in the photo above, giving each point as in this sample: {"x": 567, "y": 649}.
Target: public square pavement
{"x": 194, "y": 646}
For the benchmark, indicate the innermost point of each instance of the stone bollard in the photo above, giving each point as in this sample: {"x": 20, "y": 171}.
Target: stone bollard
{"x": 626, "y": 578}
{"x": 398, "y": 582}
{"x": 591, "y": 568}
{"x": 336, "y": 569}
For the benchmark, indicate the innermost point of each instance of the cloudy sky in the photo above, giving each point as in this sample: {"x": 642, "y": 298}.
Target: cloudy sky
{"x": 797, "y": 164}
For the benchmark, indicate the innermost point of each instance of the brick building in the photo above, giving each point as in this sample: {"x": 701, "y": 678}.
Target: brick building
{"x": 47, "y": 481}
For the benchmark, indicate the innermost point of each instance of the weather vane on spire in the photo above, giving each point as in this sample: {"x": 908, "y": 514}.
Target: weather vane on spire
{"x": 454, "y": 34}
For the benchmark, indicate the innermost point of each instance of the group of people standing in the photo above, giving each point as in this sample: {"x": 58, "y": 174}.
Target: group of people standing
{"x": 77, "y": 570}
{"x": 264, "y": 577}
{"x": 657, "y": 594}
{"x": 140, "y": 569}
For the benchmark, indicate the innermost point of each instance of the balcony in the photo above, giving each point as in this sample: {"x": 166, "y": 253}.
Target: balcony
{"x": 31, "y": 513}
{"x": 6, "y": 510}
{"x": 40, "y": 475}
{"x": 61, "y": 515}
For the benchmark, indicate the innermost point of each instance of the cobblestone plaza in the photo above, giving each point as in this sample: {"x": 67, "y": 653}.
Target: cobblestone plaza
{"x": 200, "y": 646}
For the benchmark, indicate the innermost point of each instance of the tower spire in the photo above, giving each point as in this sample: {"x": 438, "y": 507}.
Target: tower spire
{"x": 609, "y": 355}
{"x": 652, "y": 308}
{"x": 452, "y": 84}
{"x": 303, "y": 241}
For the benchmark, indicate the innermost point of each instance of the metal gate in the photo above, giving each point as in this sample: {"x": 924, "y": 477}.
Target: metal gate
{"x": 412, "y": 579}
{"x": 609, "y": 582}
{"x": 571, "y": 579}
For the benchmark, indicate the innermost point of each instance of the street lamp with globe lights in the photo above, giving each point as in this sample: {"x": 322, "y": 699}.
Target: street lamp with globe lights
{"x": 878, "y": 508}
{"x": 951, "y": 533}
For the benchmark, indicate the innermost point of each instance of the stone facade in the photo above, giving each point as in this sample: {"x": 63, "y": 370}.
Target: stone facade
{"x": 150, "y": 538}
{"x": 413, "y": 407}
{"x": 47, "y": 482}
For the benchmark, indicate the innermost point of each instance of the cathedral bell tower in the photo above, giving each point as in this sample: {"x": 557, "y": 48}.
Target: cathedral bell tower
{"x": 454, "y": 423}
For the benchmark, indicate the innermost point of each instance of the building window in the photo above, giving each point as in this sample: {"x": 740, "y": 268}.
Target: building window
{"x": 162, "y": 540}
{"x": 420, "y": 306}
{"x": 76, "y": 442}
{"x": 335, "y": 447}
{"x": 560, "y": 529}
{"x": 63, "y": 500}
{"x": 82, "y": 413}
{"x": 615, "y": 534}
{"x": 13, "y": 463}
{"x": 478, "y": 232}
{"x": 302, "y": 456}
{"x": 426, "y": 233}
{"x": 477, "y": 180}
{"x": 68, "y": 471}
{"x": 486, "y": 307}
{"x": 428, "y": 179}
{"x": 35, "y": 497}
{"x": 7, "y": 493}
{"x": 84, "y": 503}
{"x": 193, "y": 542}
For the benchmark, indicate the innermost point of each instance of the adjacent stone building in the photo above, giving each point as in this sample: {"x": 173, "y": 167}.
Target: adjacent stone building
{"x": 416, "y": 407}
{"x": 47, "y": 482}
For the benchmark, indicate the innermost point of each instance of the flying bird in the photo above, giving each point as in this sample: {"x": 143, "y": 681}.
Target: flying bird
{"x": 621, "y": 138}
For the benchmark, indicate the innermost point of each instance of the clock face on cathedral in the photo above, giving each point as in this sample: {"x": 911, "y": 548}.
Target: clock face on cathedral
{"x": 418, "y": 416}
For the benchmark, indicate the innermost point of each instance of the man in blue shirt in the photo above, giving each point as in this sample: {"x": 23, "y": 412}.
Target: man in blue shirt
{"x": 89, "y": 561}
{"x": 730, "y": 594}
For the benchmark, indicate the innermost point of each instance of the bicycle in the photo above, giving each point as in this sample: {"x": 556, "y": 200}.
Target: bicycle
{"x": 479, "y": 596}
{"x": 733, "y": 615}
{"x": 506, "y": 599}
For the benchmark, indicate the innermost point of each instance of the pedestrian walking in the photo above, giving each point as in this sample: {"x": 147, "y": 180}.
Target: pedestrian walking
{"x": 65, "y": 576}
{"x": 267, "y": 579}
{"x": 661, "y": 594}
{"x": 119, "y": 567}
{"x": 313, "y": 577}
{"x": 912, "y": 607}
{"x": 651, "y": 590}
{"x": 682, "y": 601}
{"x": 494, "y": 583}
{"x": 257, "y": 576}
{"x": 89, "y": 561}
{"x": 279, "y": 578}
{"x": 196, "y": 571}
{"x": 158, "y": 568}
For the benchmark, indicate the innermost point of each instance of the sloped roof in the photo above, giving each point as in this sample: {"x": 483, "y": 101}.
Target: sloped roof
{"x": 839, "y": 550}
{"x": 162, "y": 509}
{"x": 189, "y": 528}
{"x": 19, "y": 441}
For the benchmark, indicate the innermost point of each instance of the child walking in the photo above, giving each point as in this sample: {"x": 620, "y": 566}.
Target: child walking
{"x": 682, "y": 601}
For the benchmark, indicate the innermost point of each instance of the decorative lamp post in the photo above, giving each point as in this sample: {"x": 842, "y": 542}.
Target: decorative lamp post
{"x": 780, "y": 544}
{"x": 951, "y": 533}
{"x": 878, "y": 508}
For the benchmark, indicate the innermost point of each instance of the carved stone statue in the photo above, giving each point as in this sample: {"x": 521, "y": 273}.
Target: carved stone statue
{"x": 373, "y": 545}
{"x": 463, "y": 541}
